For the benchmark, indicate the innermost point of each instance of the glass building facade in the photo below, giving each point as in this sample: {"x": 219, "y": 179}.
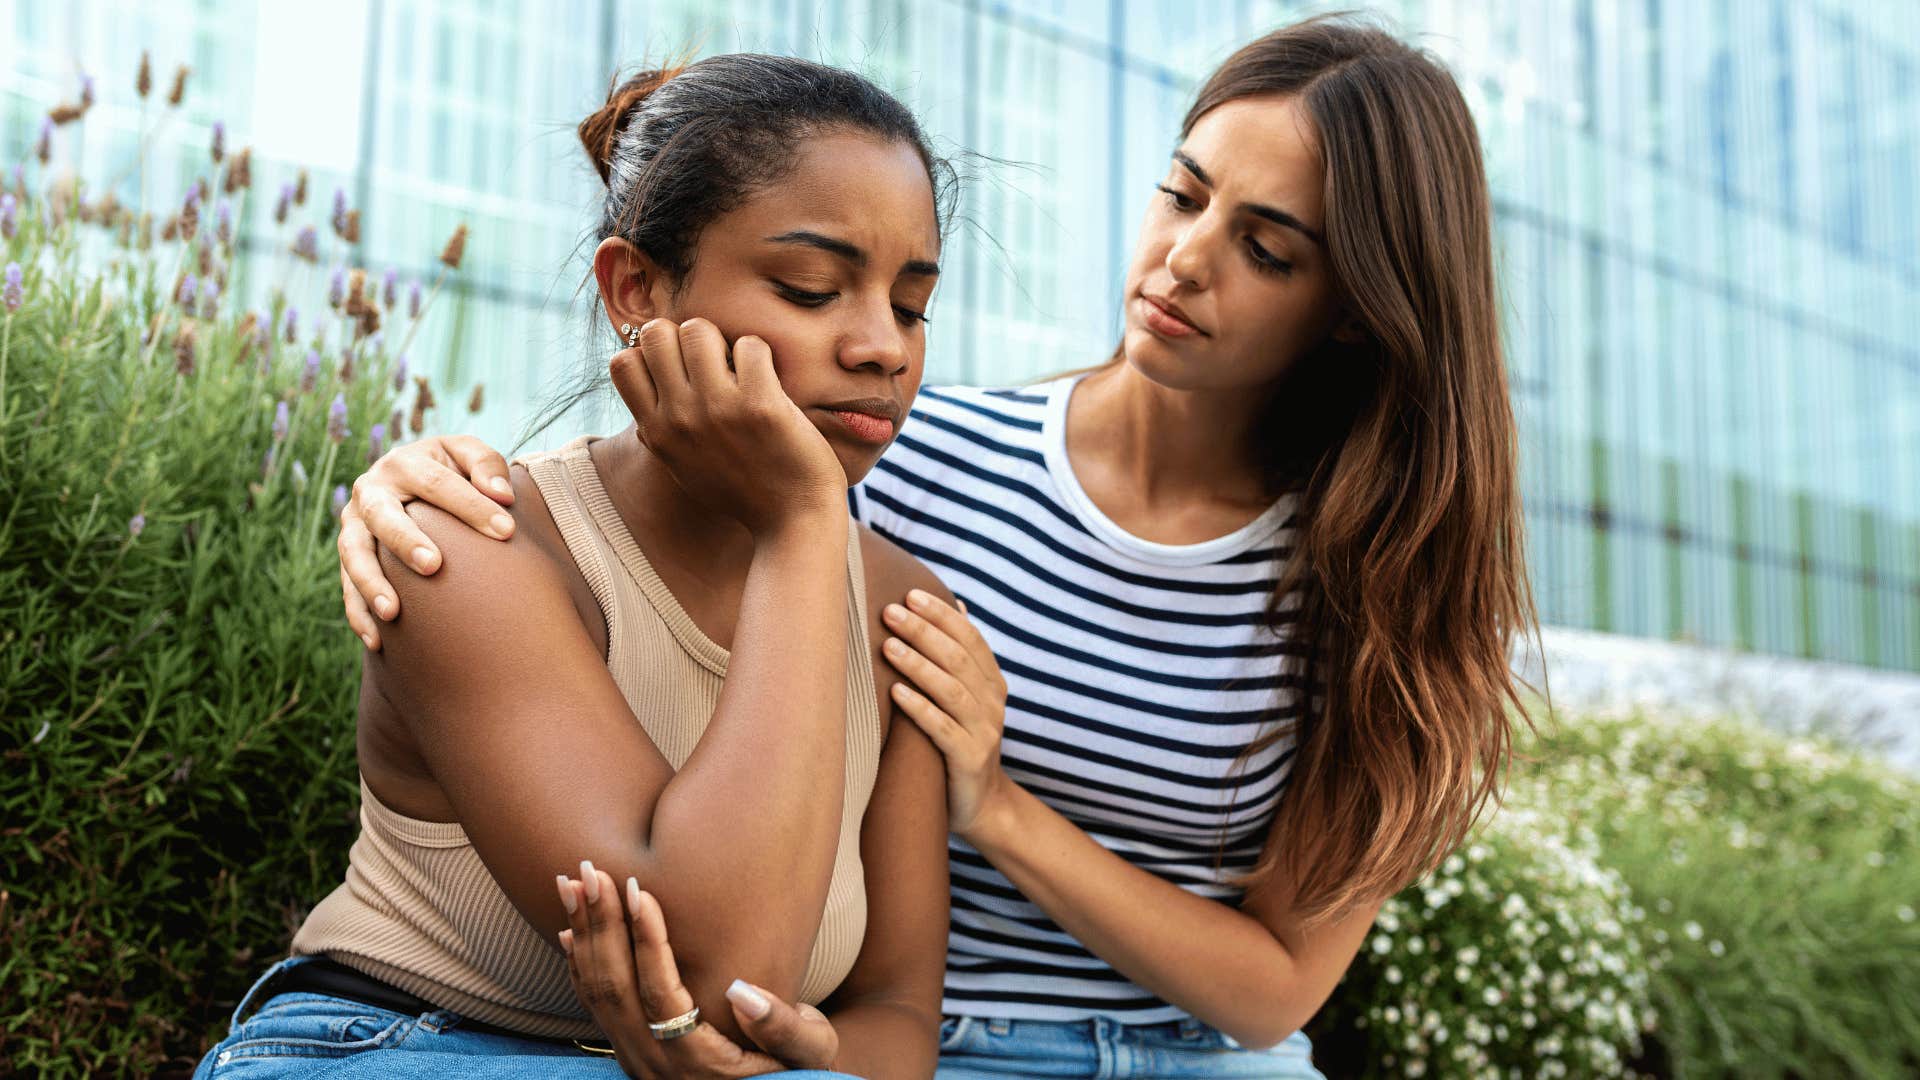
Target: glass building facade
{"x": 1708, "y": 233}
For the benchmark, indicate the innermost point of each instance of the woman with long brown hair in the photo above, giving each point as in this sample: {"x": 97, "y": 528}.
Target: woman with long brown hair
{"x": 1273, "y": 545}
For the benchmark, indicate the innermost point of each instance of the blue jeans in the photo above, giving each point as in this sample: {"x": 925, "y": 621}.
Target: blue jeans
{"x": 314, "y": 1035}
{"x": 977, "y": 1048}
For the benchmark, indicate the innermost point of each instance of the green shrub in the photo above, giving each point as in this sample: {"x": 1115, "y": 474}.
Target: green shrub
{"x": 1518, "y": 956}
{"x": 177, "y": 687}
{"x": 1780, "y": 878}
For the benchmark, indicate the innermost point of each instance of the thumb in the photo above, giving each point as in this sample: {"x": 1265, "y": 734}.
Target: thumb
{"x": 798, "y": 1037}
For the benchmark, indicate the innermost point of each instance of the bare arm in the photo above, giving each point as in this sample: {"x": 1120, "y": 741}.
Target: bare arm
{"x": 1252, "y": 972}
{"x": 535, "y": 747}
{"x": 1255, "y": 972}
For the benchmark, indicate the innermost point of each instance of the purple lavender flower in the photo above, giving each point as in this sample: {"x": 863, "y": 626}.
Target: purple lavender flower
{"x": 292, "y": 324}
{"x": 339, "y": 210}
{"x": 219, "y": 147}
{"x": 280, "y": 422}
{"x": 375, "y": 442}
{"x": 266, "y": 463}
{"x": 223, "y": 218}
{"x": 399, "y": 378}
{"x": 413, "y": 300}
{"x": 310, "y": 375}
{"x": 86, "y": 91}
{"x": 299, "y": 476}
{"x": 43, "y": 148}
{"x": 339, "y": 499}
{"x": 337, "y": 419}
{"x": 393, "y": 423}
{"x": 389, "y": 288}
{"x": 307, "y": 244}
{"x": 283, "y": 204}
{"x": 337, "y": 288}
{"x": 14, "y": 294}
{"x": 189, "y": 288}
{"x": 9, "y": 216}
{"x": 137, "y": 524}
{"x": 209, "y": 298}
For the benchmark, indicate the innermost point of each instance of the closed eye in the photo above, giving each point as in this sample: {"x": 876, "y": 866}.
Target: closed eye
{"x": 802, "y": 297}
{"x": 1265, "y": 261}
{"x": 1179, "y": 201}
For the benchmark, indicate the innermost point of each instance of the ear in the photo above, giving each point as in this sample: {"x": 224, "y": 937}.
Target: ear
{"x": 633, "y": 288}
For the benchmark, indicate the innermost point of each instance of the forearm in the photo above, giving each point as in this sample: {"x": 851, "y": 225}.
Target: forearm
{"x": 1209, "y": 959}
{"x": 756, "y": 809}
{"x": 886, "y": 1040}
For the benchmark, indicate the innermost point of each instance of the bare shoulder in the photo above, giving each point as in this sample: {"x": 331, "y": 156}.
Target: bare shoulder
{"x": 891, "y": 571}
{"x": 486, "y": 592}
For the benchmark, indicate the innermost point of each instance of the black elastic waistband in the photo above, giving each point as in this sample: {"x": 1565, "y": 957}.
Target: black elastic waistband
{"x": 324, "y": 975}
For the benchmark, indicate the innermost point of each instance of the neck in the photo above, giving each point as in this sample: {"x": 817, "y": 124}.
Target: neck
{"x": 1171, "y": 445}
{"x": 664, "y": 518}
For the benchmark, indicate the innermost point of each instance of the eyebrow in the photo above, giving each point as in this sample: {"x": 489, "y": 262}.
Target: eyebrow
{"x": 1271, "y": 213}
{"x": 850, "y": 252}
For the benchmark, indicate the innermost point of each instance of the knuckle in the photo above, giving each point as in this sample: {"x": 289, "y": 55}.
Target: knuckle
{"x": 597, "y": 990}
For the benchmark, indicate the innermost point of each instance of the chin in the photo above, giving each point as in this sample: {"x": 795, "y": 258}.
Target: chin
{"x": 1161, "y": 363}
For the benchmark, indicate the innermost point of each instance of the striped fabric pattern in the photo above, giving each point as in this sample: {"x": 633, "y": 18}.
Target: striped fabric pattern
{"x": 1138, "y": 674}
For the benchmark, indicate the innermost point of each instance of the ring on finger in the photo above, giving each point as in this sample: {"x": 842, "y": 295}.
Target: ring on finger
{"x": 676, "y": 1027}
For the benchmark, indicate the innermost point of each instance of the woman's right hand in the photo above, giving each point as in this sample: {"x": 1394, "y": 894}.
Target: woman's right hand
{"x": 726, "y": 428}
{"x": 457, "y": 473}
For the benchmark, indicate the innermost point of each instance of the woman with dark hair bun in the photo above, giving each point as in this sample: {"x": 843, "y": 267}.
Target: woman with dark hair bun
{"x": 662, "y": 700}
{"x": 1271, "y": 547}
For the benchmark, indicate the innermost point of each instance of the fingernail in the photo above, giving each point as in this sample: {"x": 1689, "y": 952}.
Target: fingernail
{"x": 566, "y": 941}
{"x": 633, "y": 896}
{"x": 367, "y": 640}
{"x": 962, "y": 605}
{"x": 566, "y": 891}
{"x": 894, "y": 612}
{"x": 591, "y": 880}
{"x": 500, "y": 485}
{"x": 894, "y": 646}
{"x": 502, "y": 525}
{"x": 901, "y": 689}
{"x": 751, "y": 1001}
{"x": 383, "y": 606}
{"x": 423, "y": 559}
{"x": 918, "y": 598}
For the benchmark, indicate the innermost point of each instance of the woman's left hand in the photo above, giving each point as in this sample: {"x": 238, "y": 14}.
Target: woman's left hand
{"x": 623, "y": 971}
{"x": 961, "y": 701}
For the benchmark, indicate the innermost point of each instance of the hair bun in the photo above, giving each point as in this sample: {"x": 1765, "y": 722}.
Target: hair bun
{"x": 600, "y": 132}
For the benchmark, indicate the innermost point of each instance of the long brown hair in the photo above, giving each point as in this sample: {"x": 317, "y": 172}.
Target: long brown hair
{"x": 1410, "y": 562}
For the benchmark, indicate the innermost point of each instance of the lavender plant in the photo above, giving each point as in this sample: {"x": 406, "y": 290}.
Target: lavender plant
{"x": 176, "y": 686}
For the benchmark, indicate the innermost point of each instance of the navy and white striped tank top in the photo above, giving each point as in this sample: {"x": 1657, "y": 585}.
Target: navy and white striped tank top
{"x": 1137, "y": 674}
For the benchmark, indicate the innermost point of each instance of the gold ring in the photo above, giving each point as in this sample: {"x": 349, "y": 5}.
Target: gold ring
{"x": 676, "y": 1027}
{"x": 604, "y": 1051}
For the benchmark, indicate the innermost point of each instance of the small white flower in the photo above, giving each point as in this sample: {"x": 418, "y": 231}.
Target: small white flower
{"x": 1904, "y": 913}
{"x": 1716, "y": 948}
{"x": 1692, "y": 930}
{"x": 1393, "y": 974}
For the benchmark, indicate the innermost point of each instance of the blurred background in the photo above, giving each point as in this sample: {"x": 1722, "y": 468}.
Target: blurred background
{"x": 1710, "y": 259}
{"x": 1709, "y": 242}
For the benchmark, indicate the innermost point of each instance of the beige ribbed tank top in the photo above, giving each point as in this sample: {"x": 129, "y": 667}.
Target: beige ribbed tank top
{"x": 420, "y": 911}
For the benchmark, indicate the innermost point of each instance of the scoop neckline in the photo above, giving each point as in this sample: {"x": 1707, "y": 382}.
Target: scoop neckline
{"x": 1060, "y": 469}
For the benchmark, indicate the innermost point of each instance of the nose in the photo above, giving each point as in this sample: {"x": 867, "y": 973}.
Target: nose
{"x": 875, "y": 340}
{"x": 1188, "y": 258}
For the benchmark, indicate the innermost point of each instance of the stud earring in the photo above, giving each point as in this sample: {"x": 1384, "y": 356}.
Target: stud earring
{"x": 631, "y": 333}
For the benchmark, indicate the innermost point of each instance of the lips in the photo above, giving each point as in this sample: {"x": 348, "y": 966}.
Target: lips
{"x": 1166, "y": 317}
{"x": 871, "y": 420}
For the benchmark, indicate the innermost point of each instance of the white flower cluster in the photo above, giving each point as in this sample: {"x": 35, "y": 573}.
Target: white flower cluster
{"x": 1519, "y": 956}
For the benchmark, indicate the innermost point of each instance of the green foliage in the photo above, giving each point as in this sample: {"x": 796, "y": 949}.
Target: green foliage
{"x": 176, "y": 684}
{"x": 1519, "y": 955}
{"x": 1780, "y": 877}
{"x": 1747, "y": 897}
